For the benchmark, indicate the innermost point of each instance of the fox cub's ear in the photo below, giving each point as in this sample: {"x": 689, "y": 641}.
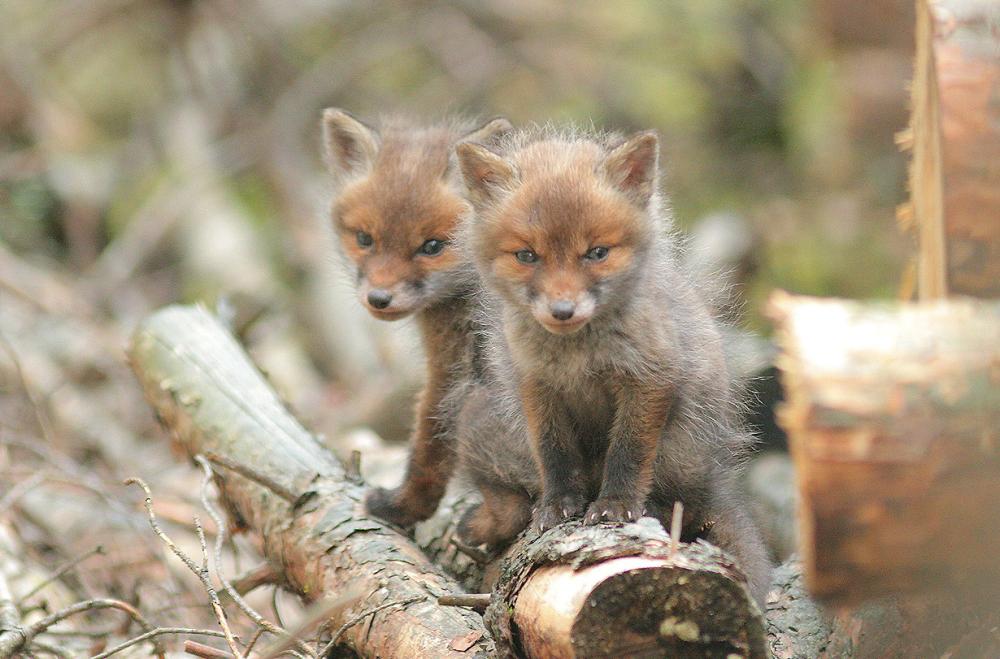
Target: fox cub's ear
{"x": 486, "y": 174}
{"x": 350, "y": 145}
{"x": 488, "y": 132}
{"x": 632, "y": 166}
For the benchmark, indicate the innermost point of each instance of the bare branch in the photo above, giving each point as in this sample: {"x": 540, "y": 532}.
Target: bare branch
{"x": 153, "y": 634}
{"x": 12, "y": 635}
{"x": 247, "y": 472}
{"x": 477, "y": 601}
{"x": 201, "y": 572}
{"x": 220, "y": 539}
{"x": 66, "y": 567}
{"x": 353, "y": 621}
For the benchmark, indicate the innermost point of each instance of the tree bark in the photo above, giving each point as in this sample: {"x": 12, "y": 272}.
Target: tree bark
{"x": 583, "y": 591}
{"x": 599, "y": 591}
{"x": 955, "y": 137}
{"x": 206, "y": 391}
{"x": 893, "y": 414}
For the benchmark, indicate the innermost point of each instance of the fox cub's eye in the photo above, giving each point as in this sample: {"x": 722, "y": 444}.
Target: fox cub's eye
{"x": 364, "y": 239}
{"x": 432, "y": 247}
{"x": 526, "y": 256}
{"x": 597, "y": 253}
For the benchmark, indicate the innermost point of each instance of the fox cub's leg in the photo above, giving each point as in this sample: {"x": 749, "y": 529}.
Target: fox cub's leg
{"x": 564, "y": 480}
{"x": 498, "y": 519}
{"x": 628, "y": 467}
{"x": 428, "y": 470}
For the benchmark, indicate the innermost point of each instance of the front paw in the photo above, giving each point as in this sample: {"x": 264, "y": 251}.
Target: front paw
{"x": 390, "y": 506}
{"x": 551, "y": 512}
{"x": 605, "y": 509}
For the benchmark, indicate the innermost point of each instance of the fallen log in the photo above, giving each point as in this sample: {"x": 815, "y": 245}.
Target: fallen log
{"x": 576, "y": 591}
{"x": 294, "y": 494}
{"x": 954, "y": 134}
{"x": 893, "y": 415}
{"x": 599, "y": 591}
{"x": 582, "y": 591}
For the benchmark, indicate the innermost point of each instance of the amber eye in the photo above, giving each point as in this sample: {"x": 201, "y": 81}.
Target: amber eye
{"x": 364, "y": 239}
{"x": 432, "y": 247}
{"x": 597, "y": 253}
{"x": 526, "y": 256}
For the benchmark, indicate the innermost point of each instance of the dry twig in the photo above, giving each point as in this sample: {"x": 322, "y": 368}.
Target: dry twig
{"x": 66, "y": 567}
{"x": 201, "y": 572}
{"x": 220, "y": 539}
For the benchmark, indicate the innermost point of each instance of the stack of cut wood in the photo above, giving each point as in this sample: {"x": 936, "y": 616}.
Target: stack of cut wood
{"x": 893, "y": 410}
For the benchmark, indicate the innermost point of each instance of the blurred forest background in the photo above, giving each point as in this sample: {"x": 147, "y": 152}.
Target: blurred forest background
{"x": 156, "y": 151}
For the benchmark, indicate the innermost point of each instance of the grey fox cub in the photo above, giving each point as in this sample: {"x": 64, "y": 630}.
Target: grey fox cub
{"x": 609, "y": 395}
{"x": 397, "y": 207}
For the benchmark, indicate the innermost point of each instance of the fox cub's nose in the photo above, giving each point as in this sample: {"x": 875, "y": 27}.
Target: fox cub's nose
{"x": 380, "y": 298}
{"x": 562, "y": 309}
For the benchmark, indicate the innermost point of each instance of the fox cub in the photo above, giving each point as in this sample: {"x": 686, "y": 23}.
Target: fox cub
{"x": 610, "y": 397}
{"x": 397, "y": 207}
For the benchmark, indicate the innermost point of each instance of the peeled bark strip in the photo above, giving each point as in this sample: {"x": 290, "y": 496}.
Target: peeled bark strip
{"x": 955, "y": 136}
{"x": 893, "y": 414}
{"x": 210, "y": 396}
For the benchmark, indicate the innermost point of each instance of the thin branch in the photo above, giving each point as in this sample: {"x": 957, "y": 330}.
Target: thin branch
{"x": 50, "y": 649}
{"x": 321, "y": 612}
{"x": 476, "y": 554}
{"x": 220, "y": 539}
{"x": 66, "y": 567}
{"x": 20, "y": 490}
{"x": 675, "y": 527}
{"x": 201, "y": 572}
{"x": 12, "y": 635}
{"x": 247, "y": 472}
{"x": 353, "y": 621}
{"x": 197, "y": 649}
{"x": 42, "y": 625}
{"x": 157, "y": 632}
{"x": 477, "y": 601}
{"x": 41, "y": 417}
{"x": 261, "y": 575}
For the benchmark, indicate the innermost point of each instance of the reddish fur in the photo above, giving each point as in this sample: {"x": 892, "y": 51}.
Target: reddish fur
{"x": 396, "y": 187}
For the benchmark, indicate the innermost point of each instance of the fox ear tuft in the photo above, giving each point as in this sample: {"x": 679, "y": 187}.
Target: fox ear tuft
{"x": 350, "y": 145}
{"x": 488, "y": 132}
{"x": 486, "y": 173}
{"x": 633, "y": 167}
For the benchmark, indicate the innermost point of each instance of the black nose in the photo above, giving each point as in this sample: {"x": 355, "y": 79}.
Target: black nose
{"x": 379, "y": 298}
{"x": 562, "y": 309}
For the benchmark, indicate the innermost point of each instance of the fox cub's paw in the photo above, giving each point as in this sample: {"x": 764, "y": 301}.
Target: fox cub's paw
{"x": 551, "y": 512}
{"x": 613, "y": 510}
{"x": 391, "y": 506}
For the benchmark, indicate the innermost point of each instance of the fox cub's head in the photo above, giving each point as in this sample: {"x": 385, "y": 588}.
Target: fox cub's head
{"x": 562, "y": 224}
{"x": 398, "y": 208}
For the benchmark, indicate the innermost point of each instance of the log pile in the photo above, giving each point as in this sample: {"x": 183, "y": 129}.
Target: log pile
{"x": 894, "y": 414}
{"x": 954, "y": 135}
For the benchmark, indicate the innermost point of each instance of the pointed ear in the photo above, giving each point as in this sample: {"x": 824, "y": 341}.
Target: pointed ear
{"x": 350, "y": 145}
{"x": 486, "y": 174}
{"x": 632, "y": 166}
{"x": 488, "y": 132}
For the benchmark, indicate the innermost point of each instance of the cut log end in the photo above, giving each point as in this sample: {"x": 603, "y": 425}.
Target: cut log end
{"x": 627, "y": 595}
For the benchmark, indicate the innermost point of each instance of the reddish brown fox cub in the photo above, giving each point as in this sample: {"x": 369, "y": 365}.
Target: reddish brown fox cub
{"x": 600, "y": 348}
{"x": 397, "y": 208}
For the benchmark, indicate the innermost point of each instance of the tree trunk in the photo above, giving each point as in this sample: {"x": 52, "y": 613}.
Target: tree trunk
{"x": 893, "y": 415}
{"x": 209, "y": 395}
{"x": 955, "y": 136}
